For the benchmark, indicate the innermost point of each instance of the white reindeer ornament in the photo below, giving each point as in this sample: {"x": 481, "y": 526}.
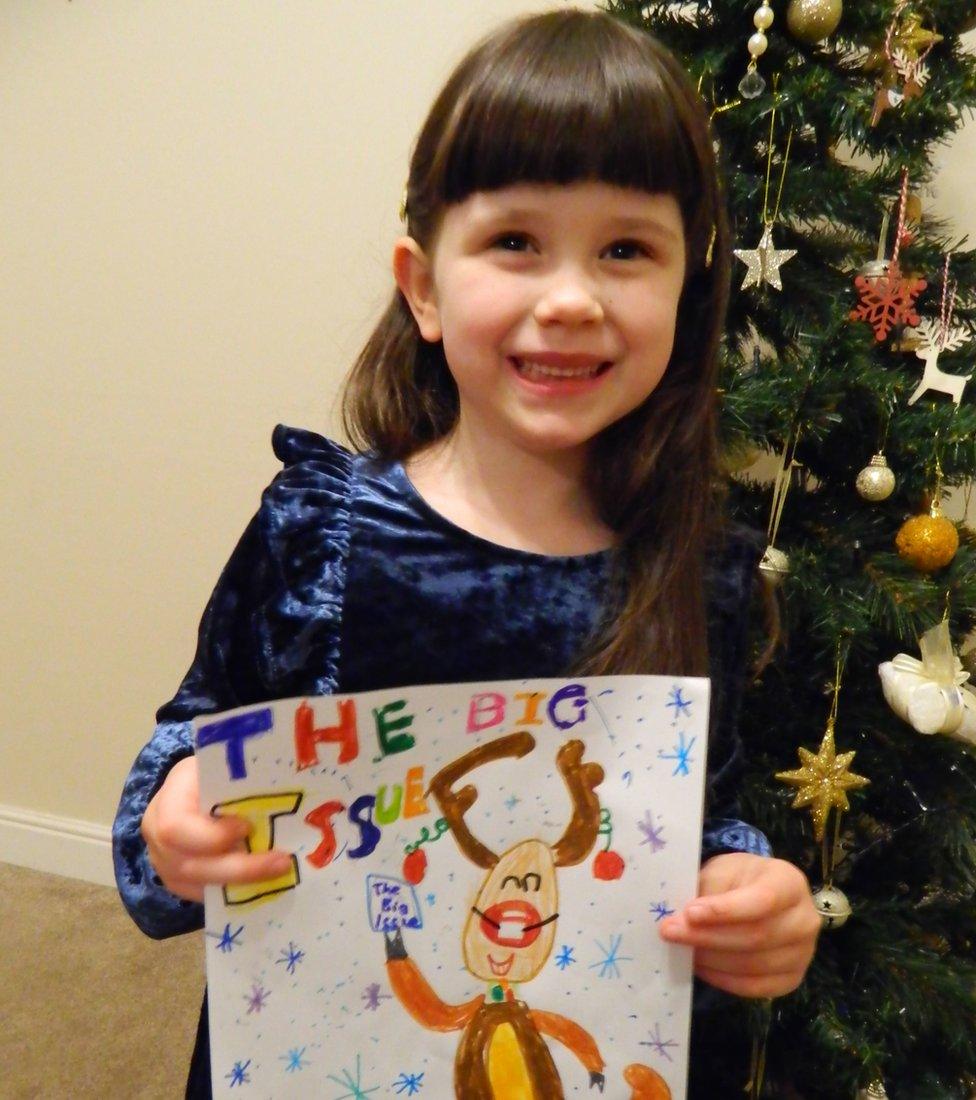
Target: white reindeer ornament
{"x": 936, "y": 340}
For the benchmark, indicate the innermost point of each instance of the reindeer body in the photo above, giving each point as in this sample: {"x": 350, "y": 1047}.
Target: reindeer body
{"x": 507, "y": 938}
{"x": 934, "y": 378}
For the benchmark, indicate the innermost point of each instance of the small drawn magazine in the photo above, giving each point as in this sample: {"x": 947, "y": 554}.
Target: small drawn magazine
{"x": 477, "y": 873}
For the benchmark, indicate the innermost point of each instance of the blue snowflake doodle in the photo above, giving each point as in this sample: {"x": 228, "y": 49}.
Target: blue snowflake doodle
{"x": 652, "y": 833}
{"x": 372, "y": 996}
{"x": 512, "y": 802}
{"x": 409, "y": 1083}
{"x": 660, "y": 910}
{"x": 681, "y": 755}
{"x": 657, "y": 1044}
{"x": 256, "y": 999}
{"x": 291, "y": 957}
{"x": 355, "y": 1084}
{"x": 294, "y": 1060}
{"x": 565, "y": 957}
{"x": 681, "y": 705}
{"x": 609, "y": 964}
{"x": 238, "y": 1075}
{"x": 227, "y": 940}
{"x": 431, "y": 899}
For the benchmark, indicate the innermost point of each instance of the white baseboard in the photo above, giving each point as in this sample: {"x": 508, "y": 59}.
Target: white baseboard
{"x": 58, "y": 845}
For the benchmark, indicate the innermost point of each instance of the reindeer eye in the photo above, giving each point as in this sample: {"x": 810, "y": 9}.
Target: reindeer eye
{"x": 512, "y": 878}
{"x": 538, "y": 882}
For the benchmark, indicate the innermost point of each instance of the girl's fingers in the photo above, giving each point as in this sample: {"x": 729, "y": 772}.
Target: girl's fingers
{"x": 235, "y": 867}
{"x": 742, "y": 904}
{"x": 195, "y": 834}
{"x": 795, "y": 927}
{"x": 767, "y": 985}
{"x": 785, "y": 960}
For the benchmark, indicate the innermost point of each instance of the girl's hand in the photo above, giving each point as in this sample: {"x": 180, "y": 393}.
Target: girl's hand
{"x": 190, "y": 850}
{"x": 753, "y": 926}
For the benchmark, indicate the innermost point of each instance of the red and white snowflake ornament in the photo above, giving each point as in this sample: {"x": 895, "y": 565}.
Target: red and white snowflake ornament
{"x": 888, "y": 300}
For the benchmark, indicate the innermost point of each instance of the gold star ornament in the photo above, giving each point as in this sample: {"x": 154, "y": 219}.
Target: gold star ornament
{"x": 764, "y": 261}
{"x": 823, "y": 781}
{"x": 913, "y": 38}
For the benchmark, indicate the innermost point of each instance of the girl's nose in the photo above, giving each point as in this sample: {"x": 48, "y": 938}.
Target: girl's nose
{"x": 569, "y": 301}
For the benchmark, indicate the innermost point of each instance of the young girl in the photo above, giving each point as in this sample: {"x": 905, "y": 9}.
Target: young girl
{"x": 533, "y": 486}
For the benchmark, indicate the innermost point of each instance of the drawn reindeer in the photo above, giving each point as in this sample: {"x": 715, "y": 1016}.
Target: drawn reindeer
{"x": 934, "y": 342}
{"x": 507, "y": 939}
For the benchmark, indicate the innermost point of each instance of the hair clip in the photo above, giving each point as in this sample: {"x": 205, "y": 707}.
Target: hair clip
{"x": 710, "y": 251}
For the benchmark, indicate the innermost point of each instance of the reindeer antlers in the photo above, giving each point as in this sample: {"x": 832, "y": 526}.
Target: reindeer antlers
{"x": 455, "y": 804}
{"x": 581, "y": 779}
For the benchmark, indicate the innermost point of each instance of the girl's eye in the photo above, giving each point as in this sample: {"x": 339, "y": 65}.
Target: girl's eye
{"x": 627, "y": 250}
{"x": 511, "y": 242}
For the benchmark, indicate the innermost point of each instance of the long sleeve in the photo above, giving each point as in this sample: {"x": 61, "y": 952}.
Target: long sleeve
{"x": 224, "y": 674}
{"x": 270, "y": 630}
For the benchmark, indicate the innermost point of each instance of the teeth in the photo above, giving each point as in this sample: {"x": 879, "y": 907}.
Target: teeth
{"x": 541, "y": 370}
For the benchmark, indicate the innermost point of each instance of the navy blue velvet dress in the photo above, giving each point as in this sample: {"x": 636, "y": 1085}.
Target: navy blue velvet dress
{"x": 346, "y": 580}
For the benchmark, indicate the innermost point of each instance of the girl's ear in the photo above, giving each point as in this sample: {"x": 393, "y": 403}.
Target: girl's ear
{"x": 414, "y": 276}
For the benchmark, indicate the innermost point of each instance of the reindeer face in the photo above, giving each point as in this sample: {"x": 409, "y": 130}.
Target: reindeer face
{"x": 512, "y": 926}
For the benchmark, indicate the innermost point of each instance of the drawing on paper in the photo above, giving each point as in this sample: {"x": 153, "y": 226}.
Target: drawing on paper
{"x": 508, "y": 938}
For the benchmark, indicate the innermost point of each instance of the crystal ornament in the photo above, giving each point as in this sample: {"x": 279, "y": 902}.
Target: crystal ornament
{"x": 752, "y": 85}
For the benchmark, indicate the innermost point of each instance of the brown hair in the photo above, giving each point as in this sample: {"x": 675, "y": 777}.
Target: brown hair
{"x": 557, "y": 98}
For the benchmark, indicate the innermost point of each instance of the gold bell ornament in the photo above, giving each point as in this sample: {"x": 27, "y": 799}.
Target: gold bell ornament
{"x": 877, "y": 480}
{"x": 812, "y": 21}
{"x": 929, "y": 541}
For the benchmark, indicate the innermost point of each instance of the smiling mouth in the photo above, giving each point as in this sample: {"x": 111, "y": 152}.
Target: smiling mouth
{"x": 500, "y": 969}
{"x": 545, "y": 372}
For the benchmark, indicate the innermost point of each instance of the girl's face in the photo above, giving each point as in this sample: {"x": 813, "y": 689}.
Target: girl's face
{"x": 556, "y": 306}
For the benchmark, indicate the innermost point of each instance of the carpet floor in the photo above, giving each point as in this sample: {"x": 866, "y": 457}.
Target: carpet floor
{"x": 91, "y": 1009}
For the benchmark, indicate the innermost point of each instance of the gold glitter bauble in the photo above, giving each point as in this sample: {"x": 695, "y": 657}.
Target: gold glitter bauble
{"x": 877, "y": 480}
{"x": 813, "y": 20}
{"x": 874, "y": 1091}
{"x": 928, "y": 542}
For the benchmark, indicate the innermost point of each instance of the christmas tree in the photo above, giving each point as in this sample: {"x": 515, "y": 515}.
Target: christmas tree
{"x": 826, "y": 122}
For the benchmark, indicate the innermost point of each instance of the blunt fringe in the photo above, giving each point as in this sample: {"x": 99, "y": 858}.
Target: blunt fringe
{"x": 564, "y": 97}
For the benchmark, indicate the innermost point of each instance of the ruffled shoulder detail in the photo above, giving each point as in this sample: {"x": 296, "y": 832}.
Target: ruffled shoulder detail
{"x": 305, "y": 522}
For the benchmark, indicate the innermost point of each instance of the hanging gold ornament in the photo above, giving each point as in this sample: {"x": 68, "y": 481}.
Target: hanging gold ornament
{"x": 812, "y": 21}
{"x": 874, "y": 1091}
{"x": 823, "y": 780}
{"x": 929, "y": 541}
{"x": 877, "y": 480}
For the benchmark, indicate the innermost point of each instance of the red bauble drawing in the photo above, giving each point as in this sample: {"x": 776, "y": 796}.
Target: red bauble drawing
{"x": 415, "y": 867}
{"x": 608, "y": 865}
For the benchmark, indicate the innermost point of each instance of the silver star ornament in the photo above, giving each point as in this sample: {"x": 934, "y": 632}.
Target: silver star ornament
{"x": 764, "y": 261}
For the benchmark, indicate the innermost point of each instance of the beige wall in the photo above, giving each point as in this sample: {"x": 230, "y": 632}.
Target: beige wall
{"x": 197, "y": 202}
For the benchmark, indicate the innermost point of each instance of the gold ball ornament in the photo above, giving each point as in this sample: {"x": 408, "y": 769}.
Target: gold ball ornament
{"x": 877, "y": 480}
{"x": 812, "y": 21}
{"x": 928, "y": 542}
{"x": 832, "y": 905}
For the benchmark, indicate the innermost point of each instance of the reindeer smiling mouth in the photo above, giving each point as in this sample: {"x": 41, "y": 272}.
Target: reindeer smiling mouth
{"x": 512, "y": 923}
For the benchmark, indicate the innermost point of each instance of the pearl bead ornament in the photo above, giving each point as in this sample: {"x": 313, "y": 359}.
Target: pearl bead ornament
{"x": 752, "y": 84}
